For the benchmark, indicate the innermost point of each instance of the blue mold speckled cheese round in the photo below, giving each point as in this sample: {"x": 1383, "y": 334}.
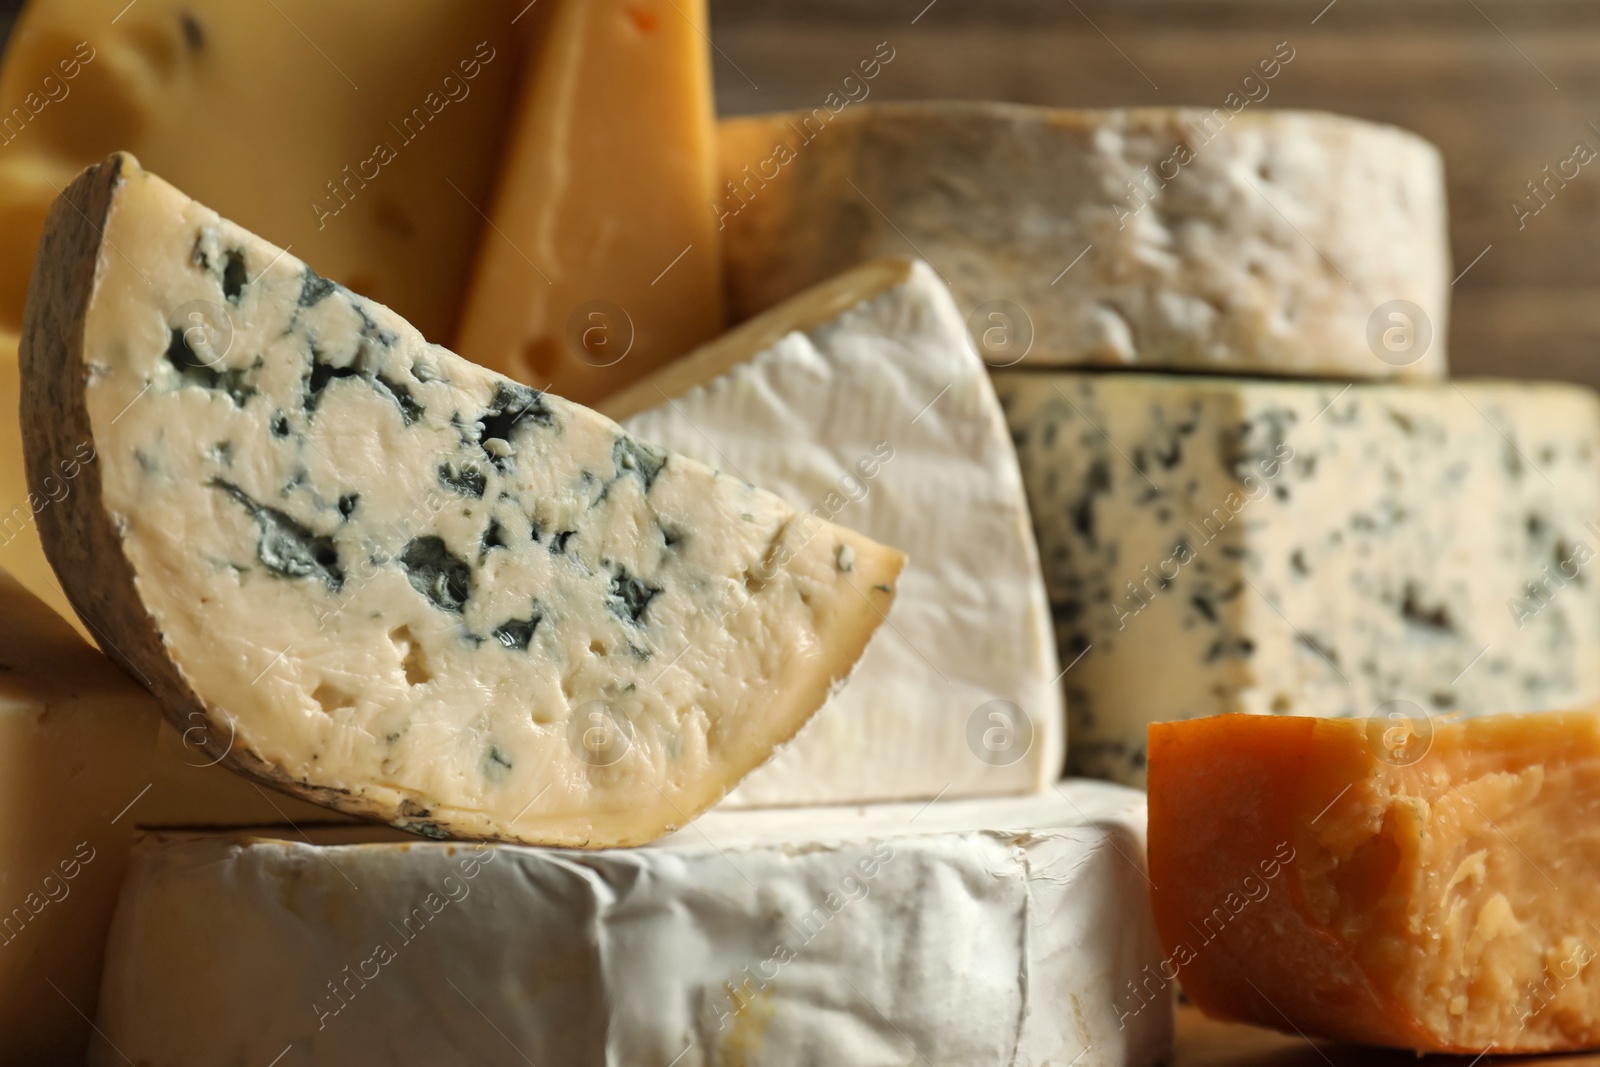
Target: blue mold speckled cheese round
{"x": 1214, "y": 545}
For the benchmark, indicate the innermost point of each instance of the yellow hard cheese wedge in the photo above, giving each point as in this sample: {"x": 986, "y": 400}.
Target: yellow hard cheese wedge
{"x": 391, "y": 581}
{"x": 603, "y": 257}
{"x": 87, "y": 761}
{"x": 1413, "y": 882}
{"x": 20, "y": 551}
{"x": 191, "y": 787}
{"x": 364, "y": 135}
{"x": 75, "y": 743}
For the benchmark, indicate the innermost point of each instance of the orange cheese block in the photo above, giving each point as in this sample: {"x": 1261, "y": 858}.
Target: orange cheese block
{"x": 1424, "y": 883}
{"x": 602, "y": 258}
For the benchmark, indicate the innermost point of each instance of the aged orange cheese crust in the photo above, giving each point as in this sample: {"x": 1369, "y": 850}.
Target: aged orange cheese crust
{"x": 1419, "y": 883}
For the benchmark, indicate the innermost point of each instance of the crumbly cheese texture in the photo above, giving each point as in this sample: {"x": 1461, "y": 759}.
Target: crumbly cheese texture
{"x": 600, "y": 260}
{"x": 1213, "y": 545}
{"x": 391, "y": 581}
{"x": 75, "y": 746}
{"x": 881, "y": 417}
{"x": 972, "y": 932}
{"x": 1261, "y": 242}
{"x": 190, "y": 787}
{"x": 1429, "y": 884}
{"x": 339, "y": 129}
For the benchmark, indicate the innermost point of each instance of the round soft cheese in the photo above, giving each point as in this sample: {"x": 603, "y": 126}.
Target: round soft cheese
{"x": 967, "y": 932}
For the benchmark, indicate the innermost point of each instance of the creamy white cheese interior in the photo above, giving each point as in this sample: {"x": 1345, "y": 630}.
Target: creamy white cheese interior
{"x": 407, "y": 586}
{"x": 882, "y": 417}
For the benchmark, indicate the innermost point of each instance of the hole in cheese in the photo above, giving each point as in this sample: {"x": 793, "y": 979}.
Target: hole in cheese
{"x": 330, "y": 697}
{"x": 644, "y": 21}
{"x": 157, "y": 45}
{"x": 411, "y": 656}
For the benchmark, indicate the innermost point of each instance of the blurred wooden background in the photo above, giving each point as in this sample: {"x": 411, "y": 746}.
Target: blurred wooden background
{"x": 1503, "y": 87}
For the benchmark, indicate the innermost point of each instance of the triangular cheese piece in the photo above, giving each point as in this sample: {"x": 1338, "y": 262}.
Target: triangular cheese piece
{"x": 390, "y": 580}
{"x": 864, "y": 402}
{"x": 602, "y": 256}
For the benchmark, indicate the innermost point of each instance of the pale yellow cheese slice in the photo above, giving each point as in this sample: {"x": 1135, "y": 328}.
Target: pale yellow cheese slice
{"x": 192, "y": 787}
{"x": 602, "y": 259}
{"x": 20, "y": 551}
{"x": 75, "y": 744}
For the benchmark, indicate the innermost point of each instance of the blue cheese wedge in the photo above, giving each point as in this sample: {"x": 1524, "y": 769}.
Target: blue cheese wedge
{"x": 395, "y": 583}
{"x": 1218, "y": 545}
{"x": 862, "y": 400}
{"x": 1226, "y": 241}
{"x": 1004, "y": 931}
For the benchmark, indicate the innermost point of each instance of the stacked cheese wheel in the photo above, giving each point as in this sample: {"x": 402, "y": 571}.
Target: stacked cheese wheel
{"x": 1219, "y": 342}
{"x": 816, "y": 468}
{"x": 1276, "y": 503}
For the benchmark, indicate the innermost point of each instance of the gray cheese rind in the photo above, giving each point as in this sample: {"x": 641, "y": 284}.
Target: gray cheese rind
{"x": 1268, "y": 252}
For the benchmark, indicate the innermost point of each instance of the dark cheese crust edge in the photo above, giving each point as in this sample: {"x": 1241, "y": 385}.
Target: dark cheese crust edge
{"x": 80, "y": 539}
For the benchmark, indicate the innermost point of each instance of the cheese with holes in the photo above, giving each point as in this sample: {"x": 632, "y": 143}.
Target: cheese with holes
{"x": 863, "y": 402}
{"x": 1419, "y": 883}
{"x": 75, "y": 743}
{"x": 1258, "y": 242}
{"x": 391, "y": 581}
{"x": 1215, "y": 545}
{"x": 601, "y": 260}
{"x": 364, "y": 136}
{"x": 21, "y": 554}
{"x": 968, "y": 932}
